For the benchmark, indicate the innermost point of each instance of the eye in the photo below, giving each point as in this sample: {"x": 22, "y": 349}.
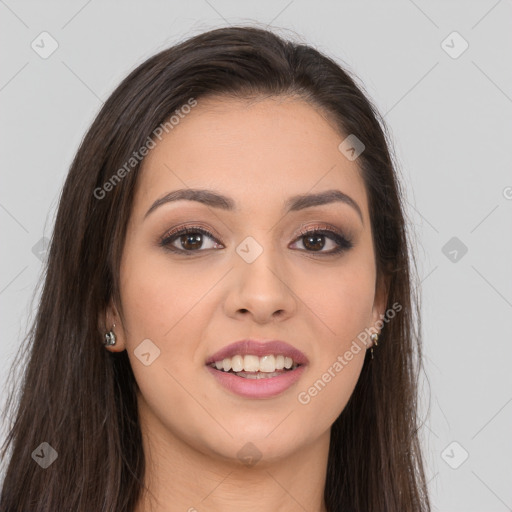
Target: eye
{"x": 314, "y": 241}
{"x": 189, "y": 240}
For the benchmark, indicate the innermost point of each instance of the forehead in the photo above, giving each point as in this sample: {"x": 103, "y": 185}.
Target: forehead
{"x": 257, "y": 151}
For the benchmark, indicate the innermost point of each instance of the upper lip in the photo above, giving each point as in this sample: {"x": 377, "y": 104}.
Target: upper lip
{"x": 260, "y": 349}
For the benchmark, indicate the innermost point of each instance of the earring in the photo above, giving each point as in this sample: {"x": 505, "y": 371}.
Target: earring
{"x": 374, "y": 337}
{"x": 110, "y": 337}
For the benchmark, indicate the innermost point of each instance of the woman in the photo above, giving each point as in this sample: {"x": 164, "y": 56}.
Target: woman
{"x": 228, "y": 320}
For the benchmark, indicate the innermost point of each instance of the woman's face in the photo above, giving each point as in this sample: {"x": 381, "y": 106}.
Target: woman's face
{"x": 258, "y": 277}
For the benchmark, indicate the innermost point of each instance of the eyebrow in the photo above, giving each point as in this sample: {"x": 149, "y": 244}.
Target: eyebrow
{"x": 293, "y": 204}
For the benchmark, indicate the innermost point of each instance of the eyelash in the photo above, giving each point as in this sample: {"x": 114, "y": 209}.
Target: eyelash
{"x": 343, "y": 243}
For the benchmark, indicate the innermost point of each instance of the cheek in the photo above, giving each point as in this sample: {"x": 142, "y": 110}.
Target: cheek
{"x": 339, "y": 356}
{"x": 171, "y": 308}
{"x": 160, "y": 305}
{"x": 156, "y": 296}
{"x": 344, "y": 300}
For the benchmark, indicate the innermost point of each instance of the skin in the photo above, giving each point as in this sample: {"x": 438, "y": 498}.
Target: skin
{"x": 258, "y": 153}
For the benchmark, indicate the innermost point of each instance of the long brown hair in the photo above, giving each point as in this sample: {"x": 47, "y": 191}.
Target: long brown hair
{"x": 81, "y": 399}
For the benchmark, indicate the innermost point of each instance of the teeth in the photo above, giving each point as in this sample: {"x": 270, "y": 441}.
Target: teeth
{"x": 237, "y": 363}
{"x": 250, "y": 363}
{"x": 267, "y": 364}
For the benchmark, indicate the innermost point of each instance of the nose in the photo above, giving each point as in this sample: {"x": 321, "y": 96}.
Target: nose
{"x": 261, "y": 289}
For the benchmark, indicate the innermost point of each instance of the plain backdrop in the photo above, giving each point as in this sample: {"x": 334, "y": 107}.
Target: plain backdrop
{"x": 440, "y": 74}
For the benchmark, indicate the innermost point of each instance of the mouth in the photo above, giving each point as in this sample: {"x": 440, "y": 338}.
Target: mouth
{"x": 251, "y": 366}
{"x": 257, "y": 370}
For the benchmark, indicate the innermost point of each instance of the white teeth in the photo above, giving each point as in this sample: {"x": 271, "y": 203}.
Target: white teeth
{"x": 268, "y": 364}
{"x": 237, "y": 363}
{"x": 251, "y": 363}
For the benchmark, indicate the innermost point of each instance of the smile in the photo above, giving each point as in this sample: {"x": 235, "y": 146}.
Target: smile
{"x": 252, "y": 363}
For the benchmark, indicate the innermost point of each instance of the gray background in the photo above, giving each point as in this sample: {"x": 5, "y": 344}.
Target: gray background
{"x": 451, "y": 123}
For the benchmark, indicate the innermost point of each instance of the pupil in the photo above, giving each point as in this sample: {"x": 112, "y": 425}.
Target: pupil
{"x": 192, "y": 238}
{"x": 317, "y": 240}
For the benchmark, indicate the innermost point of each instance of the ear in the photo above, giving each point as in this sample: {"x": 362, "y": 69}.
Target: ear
{"x": 111, "y": 321}
{"x": 380, "y": 300}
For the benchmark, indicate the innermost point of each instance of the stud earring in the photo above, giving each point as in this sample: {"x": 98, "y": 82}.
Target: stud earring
{"x": 110, "y": 337}
{"x": 374, "y": 337}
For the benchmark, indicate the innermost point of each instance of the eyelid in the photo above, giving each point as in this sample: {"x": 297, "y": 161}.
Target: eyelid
{"x": 192, "y": 227}
{"x": 321, "y": 226}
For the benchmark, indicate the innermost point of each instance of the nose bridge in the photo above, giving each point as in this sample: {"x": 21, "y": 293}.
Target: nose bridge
{"x": 260, "y": 285}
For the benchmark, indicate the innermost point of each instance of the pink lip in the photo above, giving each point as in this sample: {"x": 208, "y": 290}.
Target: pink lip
{"x": 260, "y": 349}
{"x": 257, "y": 388}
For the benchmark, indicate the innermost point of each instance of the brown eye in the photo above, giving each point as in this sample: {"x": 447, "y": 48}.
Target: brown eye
{"x": 190, "y": 239}
{"x": 314, "y": 241}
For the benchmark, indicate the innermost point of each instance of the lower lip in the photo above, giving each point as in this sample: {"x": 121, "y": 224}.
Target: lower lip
{"x": 257, "y": 388}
